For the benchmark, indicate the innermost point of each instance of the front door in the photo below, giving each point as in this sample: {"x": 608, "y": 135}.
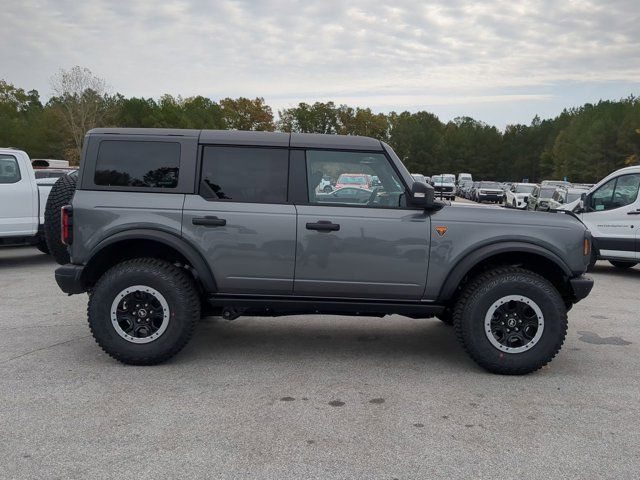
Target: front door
{"x": 241, "y": 221}
{"x": 18, "y": 208}
{"x": 359, "y": 240}
{"x": 612, "y": 214}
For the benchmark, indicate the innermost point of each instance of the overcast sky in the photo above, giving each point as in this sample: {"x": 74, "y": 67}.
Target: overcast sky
{"x": 498, "y": 61}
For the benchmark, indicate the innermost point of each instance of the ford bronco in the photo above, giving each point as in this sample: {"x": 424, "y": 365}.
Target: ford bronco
{"x": 167, "y": 226}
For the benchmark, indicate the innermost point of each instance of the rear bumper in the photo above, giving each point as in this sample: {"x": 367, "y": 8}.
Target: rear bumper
{"x": 69, "y": 278}
{"x": 581, "y": 287}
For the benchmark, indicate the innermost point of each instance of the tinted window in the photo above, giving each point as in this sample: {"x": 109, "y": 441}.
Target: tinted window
{"x": 9, "y": 170}
{"x": 138, "y": 164}
{"x": 377, "y": 183}
{"x": 241, "y": 174}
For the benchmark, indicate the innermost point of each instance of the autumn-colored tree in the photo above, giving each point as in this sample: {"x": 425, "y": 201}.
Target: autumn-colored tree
{"x": 246, "y": 114}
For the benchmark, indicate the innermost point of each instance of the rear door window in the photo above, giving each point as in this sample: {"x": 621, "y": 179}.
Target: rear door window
{"x": 245, "y": 174}
{"x": 138, "y": 164}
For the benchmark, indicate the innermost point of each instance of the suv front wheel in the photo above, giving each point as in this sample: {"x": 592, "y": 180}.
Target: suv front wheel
{"x": 143, "y": 311}
{"x": 510, "y": 320}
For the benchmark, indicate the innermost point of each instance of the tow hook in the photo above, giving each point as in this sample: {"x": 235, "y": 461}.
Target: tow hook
{"x": 231, "y": 313}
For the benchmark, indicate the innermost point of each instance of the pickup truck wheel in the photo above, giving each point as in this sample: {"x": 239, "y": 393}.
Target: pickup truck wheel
{"x": 511, "y": 321}
{"x": 622, "y": 265}
{"x": 143, "y": 311}
{"x": 60, "y": 195}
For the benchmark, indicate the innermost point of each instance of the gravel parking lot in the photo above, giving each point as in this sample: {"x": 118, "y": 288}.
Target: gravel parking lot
{"x": 311, "y": 397}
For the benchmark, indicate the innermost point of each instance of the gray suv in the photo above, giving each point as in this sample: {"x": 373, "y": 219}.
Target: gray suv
{"x": 168, "y": 226}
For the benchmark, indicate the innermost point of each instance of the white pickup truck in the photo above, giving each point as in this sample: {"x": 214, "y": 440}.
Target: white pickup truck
{"x": 22, "y": 201}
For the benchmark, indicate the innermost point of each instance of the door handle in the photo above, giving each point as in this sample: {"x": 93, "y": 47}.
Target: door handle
{"x": 634, "y": 212}
{"x": 209, "y": 221}
{"x": 323, "y": 226}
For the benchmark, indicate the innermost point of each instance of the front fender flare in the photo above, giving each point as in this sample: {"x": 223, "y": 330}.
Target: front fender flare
{"x": 473, "y": 258}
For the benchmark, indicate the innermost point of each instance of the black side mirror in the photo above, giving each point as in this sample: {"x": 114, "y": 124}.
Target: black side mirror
{"x": 526, "y": 199}
{"x": 422, "y": 195}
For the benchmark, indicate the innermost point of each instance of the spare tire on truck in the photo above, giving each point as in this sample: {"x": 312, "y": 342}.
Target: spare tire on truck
{"x": 60, "y": 195}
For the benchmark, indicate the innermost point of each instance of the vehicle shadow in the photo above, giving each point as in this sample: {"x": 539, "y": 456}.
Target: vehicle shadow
{"x": 395, "y": 340}
{"x": 11, "y": 257}
{"x": 607, "y": 268}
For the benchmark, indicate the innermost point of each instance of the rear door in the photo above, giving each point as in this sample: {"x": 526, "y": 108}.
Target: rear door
{"x": 359, "y": 242}
{"x": 241, "y": 221}
{"x": 613, "y": 217}
{"x": 18, "y": 197}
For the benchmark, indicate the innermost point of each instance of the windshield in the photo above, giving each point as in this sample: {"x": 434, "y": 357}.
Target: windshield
{"x": 490, "y": 185}
{"x": 546, "y": 192}
{"x": 525, "y": 188}
{"x": 441, "y": 179}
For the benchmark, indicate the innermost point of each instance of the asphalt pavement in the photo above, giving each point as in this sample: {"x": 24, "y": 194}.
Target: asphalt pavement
{"x": 314, "y": 397}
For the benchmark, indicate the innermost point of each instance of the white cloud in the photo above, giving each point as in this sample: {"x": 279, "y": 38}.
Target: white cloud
{"x": 395, "y": 55}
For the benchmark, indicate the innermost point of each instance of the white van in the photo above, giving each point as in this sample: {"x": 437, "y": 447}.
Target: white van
{"x": 611, "y": 211}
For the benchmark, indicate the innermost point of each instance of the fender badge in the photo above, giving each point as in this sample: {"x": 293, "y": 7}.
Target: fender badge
{"x": 441, "y": 230}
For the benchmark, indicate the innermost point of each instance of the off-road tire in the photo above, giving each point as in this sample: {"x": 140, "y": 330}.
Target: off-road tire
{"x": 446, "y": 316}
{"x": 41, "y": 243}
{"x": 177, "y": 287}
{"x": 622, "y": 265}
{"x": 474, "y": 303}
{"x": 60, "y": 195}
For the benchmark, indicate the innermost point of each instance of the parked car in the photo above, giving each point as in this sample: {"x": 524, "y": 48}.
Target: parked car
{"x": 22, "y": 201}
{"x": 471, "y": 192}
{"x": 488, "y": 192}
{"x": 464, "y": 177}
{"x": 518, "y": 195}
{"x": 358, "y": 180}
{"x": 611, "y": 211}
{"x": 463, "y": 187}
{"x": 169, "y": 225}
{"x": 418, "y": 177}
{"x": 540, "y": 197}
{"x": 350, "y": 195}
{"x": 564, "y": 195}
{"x": 444, "y": 186}
{"x": 325, "y": 185}
{"x": 555, "y": 183}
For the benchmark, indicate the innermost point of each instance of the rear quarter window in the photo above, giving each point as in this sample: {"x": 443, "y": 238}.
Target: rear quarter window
{"x": 138, "y": 164}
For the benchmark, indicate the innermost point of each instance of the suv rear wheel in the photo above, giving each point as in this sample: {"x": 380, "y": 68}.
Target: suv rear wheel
{"x": 143, "y": 311}
{"x": 510, "y": 321}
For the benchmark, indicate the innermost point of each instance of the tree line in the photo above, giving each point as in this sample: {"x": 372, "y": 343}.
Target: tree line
{"x": 583, "y": 144}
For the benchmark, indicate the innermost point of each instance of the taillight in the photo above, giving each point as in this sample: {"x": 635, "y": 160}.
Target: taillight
{"x": 66, "y": 225}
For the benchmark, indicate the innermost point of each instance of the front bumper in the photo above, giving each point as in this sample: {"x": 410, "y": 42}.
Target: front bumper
{"x": 581, "y": 287}
{"x": 490, "y": 196}
{"x": 69, "y": 278}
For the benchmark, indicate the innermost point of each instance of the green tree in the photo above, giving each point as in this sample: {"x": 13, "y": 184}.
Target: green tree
{"x": 246, "y": 114}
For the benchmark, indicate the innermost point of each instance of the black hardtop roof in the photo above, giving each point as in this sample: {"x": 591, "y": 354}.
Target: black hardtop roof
{"x": 237, "y": 137}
